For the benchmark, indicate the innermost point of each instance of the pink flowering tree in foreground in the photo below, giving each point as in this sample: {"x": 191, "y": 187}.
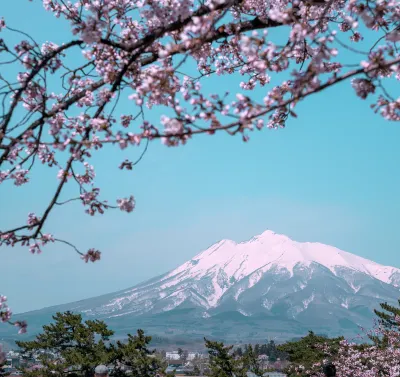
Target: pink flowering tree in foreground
{"x": 362, "y": 357}
{"x": 141, "y": 50}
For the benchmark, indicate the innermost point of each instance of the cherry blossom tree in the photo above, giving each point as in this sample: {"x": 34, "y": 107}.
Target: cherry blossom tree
{"x": 361, "y": 357}
{"x": 59, "y": 111}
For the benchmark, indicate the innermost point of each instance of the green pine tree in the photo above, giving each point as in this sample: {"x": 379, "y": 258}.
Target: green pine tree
{"x": 136, "y": 359}
{"x": 222, "y": 362}
{"x": 251, "y": 362}
{"x": 238, "y": 352}
{"x": 69, "y": 346}
{"x": 387, "y": 317}
{"x": 308, "y": 350}
{"x": 264, "y": 349}
{"x": 257, "y": 350}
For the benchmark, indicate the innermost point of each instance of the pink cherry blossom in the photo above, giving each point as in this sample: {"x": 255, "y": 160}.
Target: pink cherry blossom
{"x": 363, "y": 87}
{"x": 34, "y": 248}
{"x": 92, "y": 255}
{"x": 20, "y": 177}
{"x": 371, "y": 360}
{"x": 32, "y": 220}
{"x": 46, "y": 238}
{"x": 22, "y": 326}
{"x": 5, "y": 311}
{"x": 127, "y": 204}
{"x": 91, "y": 30}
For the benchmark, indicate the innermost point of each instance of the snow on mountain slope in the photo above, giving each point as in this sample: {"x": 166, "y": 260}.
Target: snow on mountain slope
{"x": 270, "y": 249}
{"x": 259, "y": 275}
{"x": 243, "y": 290}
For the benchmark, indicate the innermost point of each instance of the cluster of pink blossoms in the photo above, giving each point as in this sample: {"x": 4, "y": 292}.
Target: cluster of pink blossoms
{"x": 5, "y": 312}
{"x": 161, "y": 54}
{"x": 5, "y": 317}
{"x": 362, "y": 358}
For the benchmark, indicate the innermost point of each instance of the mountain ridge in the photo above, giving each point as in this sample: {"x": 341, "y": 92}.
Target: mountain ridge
{"x": 268, "y": 279}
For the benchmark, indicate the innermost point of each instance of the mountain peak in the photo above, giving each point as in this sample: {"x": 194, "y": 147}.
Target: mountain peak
{"x": 269, "y": 235}
{"x": 268, "y": 276}
{"x": 270, "y": 249}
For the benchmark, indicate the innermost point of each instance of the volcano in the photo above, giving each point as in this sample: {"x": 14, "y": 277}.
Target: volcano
{"x": 267, "y": 286}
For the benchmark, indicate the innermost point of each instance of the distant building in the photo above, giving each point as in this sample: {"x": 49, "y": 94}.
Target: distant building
{"x": 192, "y": 355}
{"x": 174, "y": 355}
{"x": 13, "y": 361}
{"x": 177, "y": 370}
{"x": 175, "y": 364}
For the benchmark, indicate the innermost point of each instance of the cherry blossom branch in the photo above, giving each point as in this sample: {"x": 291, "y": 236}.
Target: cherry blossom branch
{"x": 243, "y": 122}
{"x": 182, "y": 135}
{"x": 39, "y": 224}
{"x": 28, "y": 79}
{"x": 61, "y": 107}
{"x": 204, "y": 10}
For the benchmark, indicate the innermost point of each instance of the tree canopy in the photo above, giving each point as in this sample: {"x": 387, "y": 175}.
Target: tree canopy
{"x": 136, "y": 357}
{"x": 71, "y": 347}
{"x": 251, "y": 362}
{"x": 387, "y": 316}
{"x": 222, "y": 362}
{"x": 309, "y": 350}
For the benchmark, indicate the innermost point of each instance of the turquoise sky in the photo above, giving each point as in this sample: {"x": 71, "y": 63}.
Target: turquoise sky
{"x": 331, "y": 176}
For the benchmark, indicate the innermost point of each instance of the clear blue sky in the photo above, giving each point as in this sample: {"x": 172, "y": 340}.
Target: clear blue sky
{"x": 331, "y": 176}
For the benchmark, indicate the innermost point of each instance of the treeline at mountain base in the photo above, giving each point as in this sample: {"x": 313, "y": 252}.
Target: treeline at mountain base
{"x": 71, "y": 347}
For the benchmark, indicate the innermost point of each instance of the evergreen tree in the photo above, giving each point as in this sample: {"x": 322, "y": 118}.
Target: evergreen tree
{"x": 238, "y": 352}
{"x": 136, "y": 359}
{"x": 72, "y": 348}
{"x": 251, "y": 362}
{"x": 387, "y": 317}
{"x": 69, "y": 346}
{"x": 308, "y": 350}
{"x": 273, "y": 352}
{"x": 222, "y": 362}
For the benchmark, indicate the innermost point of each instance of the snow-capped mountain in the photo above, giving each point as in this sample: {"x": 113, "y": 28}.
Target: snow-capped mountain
{"x": 267, "y": 284}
